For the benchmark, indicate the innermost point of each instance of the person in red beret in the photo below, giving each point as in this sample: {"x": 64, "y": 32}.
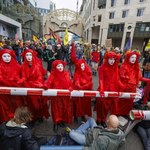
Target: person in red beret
{"x": 82, "y": 80}
{"x": 130, "y": 76}
{"x": 32, "y": 76}
{"x": 9, "y": 75}
{"x": 108, "y": 81}
{"x": 60, "y": 106}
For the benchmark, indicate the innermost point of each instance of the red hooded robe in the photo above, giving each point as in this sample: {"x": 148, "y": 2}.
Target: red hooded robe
{"x": 130, "y": 75}
{"x": 9, "y": 75}
{"x": 108, "y": 81}
{"x": 32, "y": 76}
{"x": 82, "y": 81}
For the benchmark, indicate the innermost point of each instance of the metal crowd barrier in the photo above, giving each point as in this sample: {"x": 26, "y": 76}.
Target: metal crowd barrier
{"x": 58, "y": 92}
{"x": 74, "y": 93}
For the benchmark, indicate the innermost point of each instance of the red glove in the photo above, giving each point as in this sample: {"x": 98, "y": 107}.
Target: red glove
{"x": 45, "y": 87}
{"x": 39, "y": 85}
{"x": 145, "y": 80}
{"x": 102, "y": 94}
{"x": 21, "y": 80}
{"x": 78, "y": 86}
{"x": 70, "y": 89}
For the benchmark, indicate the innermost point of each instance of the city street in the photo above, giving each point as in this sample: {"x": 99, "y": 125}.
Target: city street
{"x": 45, "y": 128}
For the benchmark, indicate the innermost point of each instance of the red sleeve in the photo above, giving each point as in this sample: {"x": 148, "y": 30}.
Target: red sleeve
{"x": 73, "y": 54}
{"x": 101, "y": 79}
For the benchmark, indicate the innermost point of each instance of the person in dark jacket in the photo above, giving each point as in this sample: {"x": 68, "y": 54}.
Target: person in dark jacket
{"x": 15, "y": 134}
{"x": 143, "y": 130}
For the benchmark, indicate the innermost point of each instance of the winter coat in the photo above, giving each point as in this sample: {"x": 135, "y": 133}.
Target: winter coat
{"x": 16, "y": 137}
{"x": 99, "y": 138}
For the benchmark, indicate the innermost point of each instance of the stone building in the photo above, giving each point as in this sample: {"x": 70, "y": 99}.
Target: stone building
{"x": 116, "y": 20}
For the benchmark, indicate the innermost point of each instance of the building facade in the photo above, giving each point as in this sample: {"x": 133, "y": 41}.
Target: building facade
{"x": 27, "y": 14}
{"x": 116, "y": 20}
{"x": 10, "y": 28}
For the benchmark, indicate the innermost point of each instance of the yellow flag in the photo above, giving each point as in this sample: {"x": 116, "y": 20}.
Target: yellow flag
{"x": 66, "y": 37}
{"x": 34, "y": 38}
{"x": 147, "y": 47}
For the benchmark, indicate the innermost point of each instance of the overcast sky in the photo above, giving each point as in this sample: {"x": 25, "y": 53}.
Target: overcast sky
{"x": 70, "y": 4}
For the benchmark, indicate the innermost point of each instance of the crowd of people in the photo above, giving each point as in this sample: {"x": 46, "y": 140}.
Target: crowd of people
{"x": 21, "y": 66}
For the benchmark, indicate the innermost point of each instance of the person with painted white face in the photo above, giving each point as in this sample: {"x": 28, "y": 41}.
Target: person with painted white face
{"x": 108, "y": 81}
{"x": 29, "y": 56}
{"x": 9, "y": 75}
{"x": 82, "y": 66}
{"x": 60, "y": 67}
{"x": 61, "y": 107}
{"x": 111, "y": 61}
{"x": 133, "y": 59}
{"x": 32, "y": 76}
{"x": 82, "y": 80}
{"x": 6, "y": 57}
{"x": 130, "y": 76}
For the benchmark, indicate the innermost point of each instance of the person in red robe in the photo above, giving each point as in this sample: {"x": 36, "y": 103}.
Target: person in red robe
{"x": 32, "y": 76}
{"x": 9, "y": 75}
{"x": 60, "y": 106}
{"x": 82, "y": 80}
{"x": 130, "y": 76}
{"x": 108, "y": 81}
{"x": 95, "y": 59}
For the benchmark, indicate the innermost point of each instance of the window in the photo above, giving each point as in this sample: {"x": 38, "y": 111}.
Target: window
{"x": 111, "y": 15}
{"x": 94, "y": 5}
{"x": 99, "y": 18}
{"x": 113, "y": 3}
{"x": 93, "y": 18}
{"x": 140, "y": 12}
{"x": 126, "y": 2}
{"x": 116, "y": 27}
{"x": 141, "y": 1}
{"x": 125, "y": 13}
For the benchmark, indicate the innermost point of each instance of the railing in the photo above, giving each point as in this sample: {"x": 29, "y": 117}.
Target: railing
{"x": 58, "y": 92}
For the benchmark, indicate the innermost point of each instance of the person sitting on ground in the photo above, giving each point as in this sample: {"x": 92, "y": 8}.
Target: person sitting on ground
{"x": 96, "y": 137}
{"x": 143, "y": 130}
{"x": 15, "y": 135}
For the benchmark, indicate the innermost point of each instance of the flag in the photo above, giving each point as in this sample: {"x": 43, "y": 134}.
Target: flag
{"x": 52, "y": 34}
{"x": 147, "y": 46}
{"x": 128, "y": 44}
{"x": 35, "y": 38}
{"x": 66, "y": 37}
{"x": 58, "y": 40}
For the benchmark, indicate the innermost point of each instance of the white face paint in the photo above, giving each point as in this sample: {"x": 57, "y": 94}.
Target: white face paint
{"x": 29, "y": 56}
{"x": 60, "y": 67}
{"x": 6, "y": 57}
{"x": 132, "y": 59}
{"x": 111, "y": 61}
{"x": 82, "y": 66}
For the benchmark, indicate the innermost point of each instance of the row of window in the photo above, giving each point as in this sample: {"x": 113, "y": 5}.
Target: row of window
{"x": 143, "y": 27}
{"x": 126, "y": 2}
{"x": 140, "y": 12}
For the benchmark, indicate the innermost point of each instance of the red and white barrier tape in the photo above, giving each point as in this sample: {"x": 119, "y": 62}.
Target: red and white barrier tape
{"x": 139, "y": 114}
{"x": 58, "y": 92}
